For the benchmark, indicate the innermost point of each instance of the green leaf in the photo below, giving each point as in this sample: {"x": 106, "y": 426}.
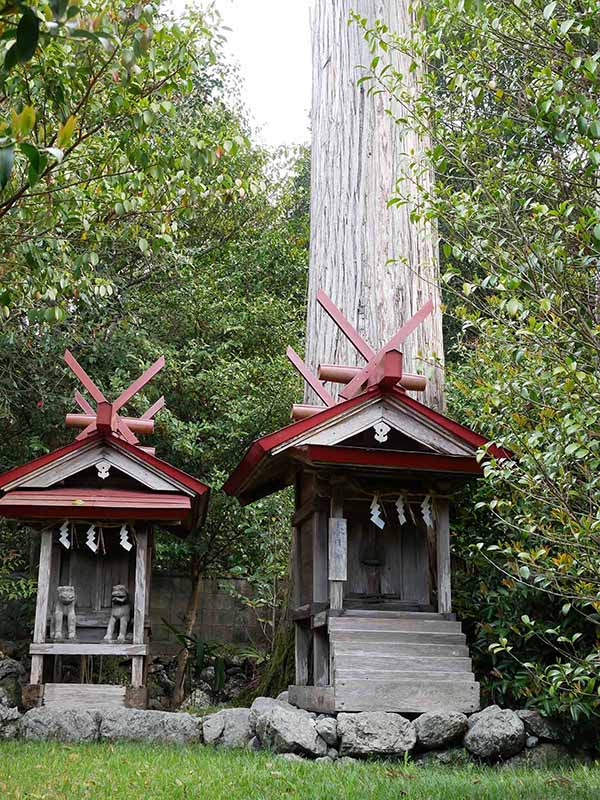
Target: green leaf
{"x": 65, "y": 132}
{"x": 7, "y": 157}
{"x": 524, "y": 571}
{"x": 594, "y": 129}
{"x": 596, "y": 232}
{"x": 513, "y": 306}
{"x": 56, "y": 152}
{"x": 28, "y": 31}
{"x": 549, "y": 9}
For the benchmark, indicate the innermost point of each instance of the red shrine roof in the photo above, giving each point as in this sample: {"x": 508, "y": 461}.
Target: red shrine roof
{"x": 263, "y": 468}
{"x": 157, "y": 490}
{"x": 105, "y": 473}
{"x": 375, "y": 426}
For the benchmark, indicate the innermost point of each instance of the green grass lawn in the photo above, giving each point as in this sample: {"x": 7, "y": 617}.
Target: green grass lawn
{"x": 32, "y": 771}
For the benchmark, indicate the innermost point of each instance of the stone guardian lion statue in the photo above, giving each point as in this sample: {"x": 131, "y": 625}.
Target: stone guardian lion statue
{"x": 120, "y": 612}
{"x": 64, "y": 607}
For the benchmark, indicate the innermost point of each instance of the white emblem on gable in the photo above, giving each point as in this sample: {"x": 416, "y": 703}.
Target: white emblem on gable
{"x": 381, "y": 431}
{"x": 103, "y": 468}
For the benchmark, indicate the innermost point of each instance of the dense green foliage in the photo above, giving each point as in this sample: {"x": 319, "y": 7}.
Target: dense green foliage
{"x": 159, "y": 229}
{"x": 53, "y": 771}
{"x": 510, "y": 95}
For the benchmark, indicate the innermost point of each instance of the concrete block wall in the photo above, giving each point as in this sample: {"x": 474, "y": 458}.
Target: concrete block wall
{"x": 221, "y": 617}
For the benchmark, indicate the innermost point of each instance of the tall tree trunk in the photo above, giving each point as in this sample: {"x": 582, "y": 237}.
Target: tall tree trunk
{"x": 189, "y": 622}
{"x": 374, "y": 263}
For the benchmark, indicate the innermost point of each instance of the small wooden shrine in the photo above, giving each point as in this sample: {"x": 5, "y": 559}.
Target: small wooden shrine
{"x": 373, "y": 474}
{"x": 96, "y": 502}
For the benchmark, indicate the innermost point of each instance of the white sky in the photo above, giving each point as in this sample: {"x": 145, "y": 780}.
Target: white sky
{"x": 271, "y": 41}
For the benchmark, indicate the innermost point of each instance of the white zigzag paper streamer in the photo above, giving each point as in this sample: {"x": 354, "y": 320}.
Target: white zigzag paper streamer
{"x": 400, "y": 509}
{"x": 376, "y": 513}
{"x": 64, "y": 535}
{"x": 426, "y": 511}
{"x": 91, "y": 538}
{"x": 124, "y": 540}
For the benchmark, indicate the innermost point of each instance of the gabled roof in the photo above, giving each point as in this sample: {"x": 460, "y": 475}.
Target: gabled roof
{"x": 157, "y": 484}
{"x": 441, "y": 445}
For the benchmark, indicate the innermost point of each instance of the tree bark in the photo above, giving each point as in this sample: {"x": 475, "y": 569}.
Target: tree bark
{"x": 374, "y": 263}
{"x": 189, "y": 622}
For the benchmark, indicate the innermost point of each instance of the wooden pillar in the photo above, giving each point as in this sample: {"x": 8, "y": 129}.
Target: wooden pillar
{"x": 139, "y": 605}
{"x": 338, "y": 550}
{"x": 320, "y": 595}
{"x": 41, "y": 607}
{"x": 444, "y": 590}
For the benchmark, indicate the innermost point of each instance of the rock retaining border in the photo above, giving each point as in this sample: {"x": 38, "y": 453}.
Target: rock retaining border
{"x": 494, "y": 735}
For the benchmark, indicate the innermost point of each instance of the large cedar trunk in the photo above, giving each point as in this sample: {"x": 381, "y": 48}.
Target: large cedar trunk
{"x": 374, "y": 263}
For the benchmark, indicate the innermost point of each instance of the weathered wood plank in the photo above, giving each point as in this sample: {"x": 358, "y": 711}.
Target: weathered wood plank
{"x": 367, "y": 673}
{"x": 320, "y": 657}
{"x": 41, "y": 607}
{"x": 338, "y": 549}
{"x": 344, "y": 623}
{"x": 399, "y": 649}
{"x": 141, "y": 580}
{"x": 444, "y": 584}
{"x": 88, "y": 649}
{"x": 313, "y": 698}
{"x": 377, "y": 614}
{"x": 396, "y": 637}
{"x": 406, "y": 696}
{"x": 302, "y": 647}
{"x": 85, "y": 694}
{"x": 395, "y": 663}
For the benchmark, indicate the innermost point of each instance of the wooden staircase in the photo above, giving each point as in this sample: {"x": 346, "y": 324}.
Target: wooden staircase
{"x": 401, "y": 661}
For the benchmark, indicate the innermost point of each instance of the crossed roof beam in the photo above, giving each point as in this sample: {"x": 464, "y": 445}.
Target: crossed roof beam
{"x": 105, "y": 418}
{"x": 383, "y": 367}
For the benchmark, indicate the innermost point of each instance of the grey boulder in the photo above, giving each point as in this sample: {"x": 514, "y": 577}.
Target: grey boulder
{"x": 131, "y": 724}
{"x": 228, "y": 728}
{"x": 536, "y": 725}
{"x": 262, "y": 705}
{"x": 327, "y": 730}
{"x": 436, "y": 729}
{"x": 495, "y": 733}
{"x": 9, "y": 718}
{"x": 546, "y": 754}
{"x": 62, "y": 724}
{"x": 453, "y": 757}
{"x": 375, "y": 733}
{"x": 12, "y": 674}
{"x": 292, "y": 730}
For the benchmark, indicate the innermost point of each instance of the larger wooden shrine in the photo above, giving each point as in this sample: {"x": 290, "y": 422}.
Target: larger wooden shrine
{"x": 96, "y": 503}
{"x": 373, "y": 473}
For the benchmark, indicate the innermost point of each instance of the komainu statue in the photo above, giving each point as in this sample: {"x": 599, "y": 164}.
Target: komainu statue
{"x": 120, "y": 611}
{"x": 64, "y": 607}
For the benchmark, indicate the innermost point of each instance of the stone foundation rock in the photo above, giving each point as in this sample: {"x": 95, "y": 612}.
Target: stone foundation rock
{"x": 495, "y": 733}
{"x": 228, "y": 728}
{"x": 375, "y": 733}
{"x": 292, "y": 730}
{"x": 61, "y": 724}
{"x": 437, "y": 729}
{"x": 128, "y": 724}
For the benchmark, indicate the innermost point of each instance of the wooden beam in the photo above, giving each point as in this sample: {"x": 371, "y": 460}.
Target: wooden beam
{"x": 355, "y": 385}
{"x": 312, "y": 381}
{"x": 139, "y": 383}
{"x": 444, "y": 583}
{"x": 139, "y": 605}
{"x": 338, "y": 548}
{"x": 320, "y": 595}
{"x": 344, "y": 325}
{"x": 41, "y": 606}
{"x": 85, "y": 379}
{"x": 88, "y": 649}
{"x": 302, "y": 647}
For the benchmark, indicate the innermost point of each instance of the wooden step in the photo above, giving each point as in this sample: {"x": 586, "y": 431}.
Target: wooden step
{"x": 373, "y": 614}
{"x": 387, "y": 675}
{"x": 399, "y": 649}
{"x": 88, "y": 695}
{"x": 392, "y": 625}
{"x": 406, "y": 696}
{"x": 377, "y": 661}
{"x": 369, "y": 637}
